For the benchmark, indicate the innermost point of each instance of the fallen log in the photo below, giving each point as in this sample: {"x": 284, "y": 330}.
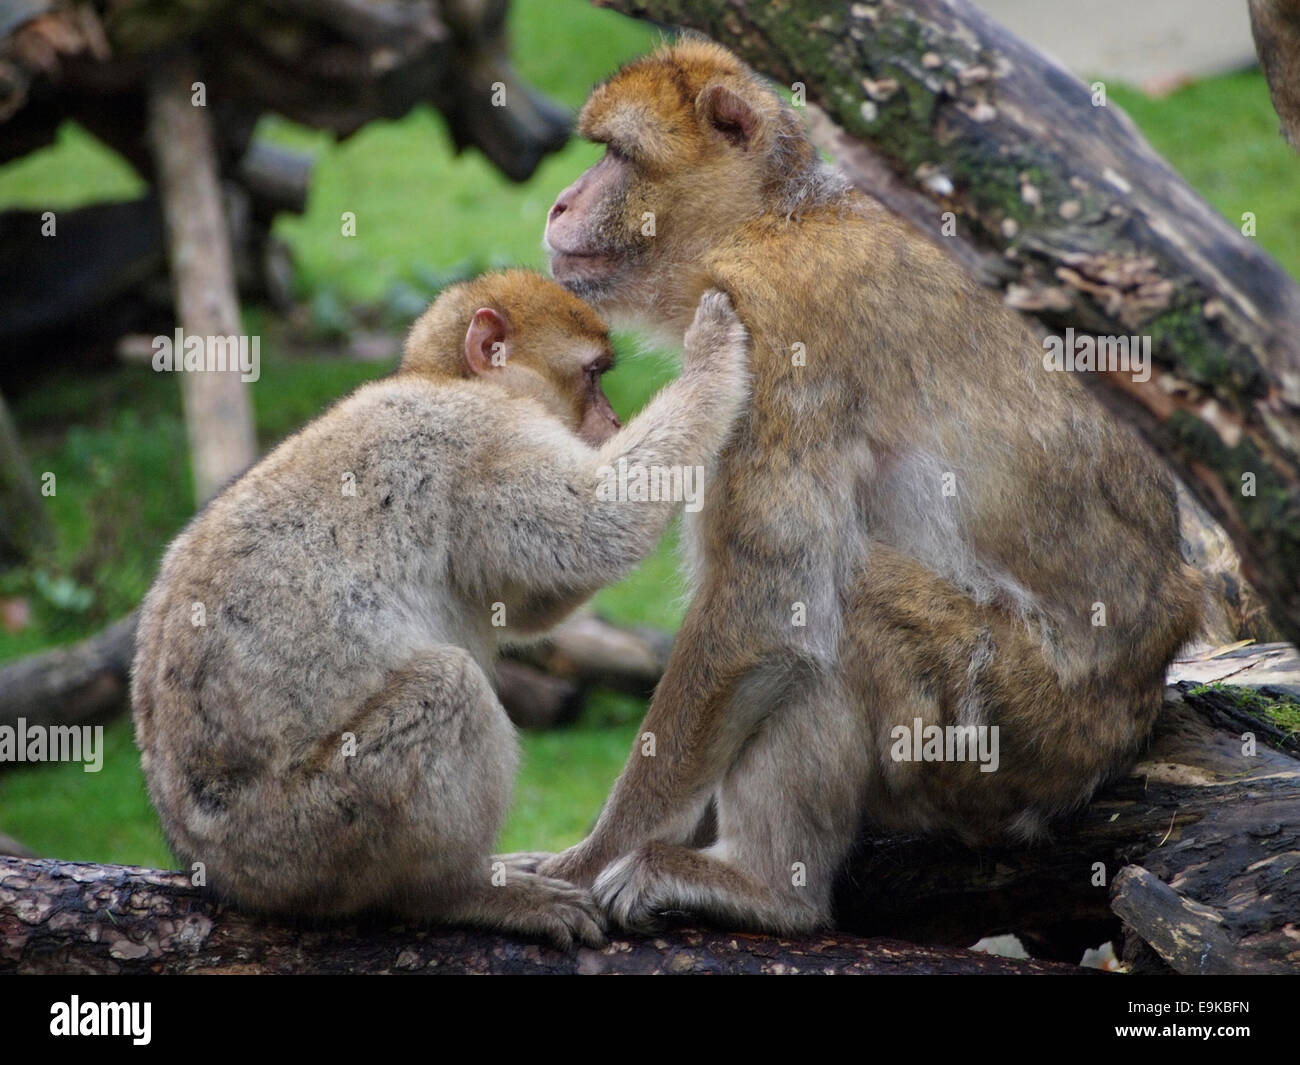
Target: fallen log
{"x": 588, "y": 649}
{"x": 1052, "y": 196}
{"x": 79, "y": 685}
{"x": 1212, "y": 810}
{"x": 68, "y": 917}
{"x": 1217, "y": 825}
{"x": 332, "y": 65}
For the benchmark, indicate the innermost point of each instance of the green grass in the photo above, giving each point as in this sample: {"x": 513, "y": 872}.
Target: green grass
{"x": 1221, "y": 135}
{"x": 116, "y": 443}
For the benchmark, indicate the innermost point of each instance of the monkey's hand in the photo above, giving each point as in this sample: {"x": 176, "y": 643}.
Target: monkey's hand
{"x": 577, "y": 865}
{"x": 522, "y": 861}
{"x": 716, "y": 342}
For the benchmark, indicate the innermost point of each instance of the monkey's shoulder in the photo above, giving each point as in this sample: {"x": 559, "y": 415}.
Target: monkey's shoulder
{"x": 825, "y": 253}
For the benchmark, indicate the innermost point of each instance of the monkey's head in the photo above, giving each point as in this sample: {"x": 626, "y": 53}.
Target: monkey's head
{"x": 525, "y": 334}
{"x": 695, "y": 146}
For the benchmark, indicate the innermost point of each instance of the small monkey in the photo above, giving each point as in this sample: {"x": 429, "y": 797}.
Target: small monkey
{"x": 916, "y": 527}
{"x": 311, "y": 689}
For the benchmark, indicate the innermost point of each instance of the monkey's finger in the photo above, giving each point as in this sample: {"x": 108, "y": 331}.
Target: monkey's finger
{"x": 714, "y": 310}
{"x": 522, "y": 861}
{"x": 567, "y": 889}
{"x": 589, "y": 933}
{"x": 556, "y": 929}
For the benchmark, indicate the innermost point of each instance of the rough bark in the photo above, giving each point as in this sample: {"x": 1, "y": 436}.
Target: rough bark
{"x": 1191, "y": 938}
{"x": 66, "y": 917}
{"x": 1276, "y": 26}
{"x": 218, "y": 413}
{"x": 932, "y": 107}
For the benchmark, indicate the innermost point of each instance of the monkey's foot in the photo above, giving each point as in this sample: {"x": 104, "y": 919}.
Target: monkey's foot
{"x": 640, "y": 890}
{"x": 637, "y": 890}
{"x": 532, "y": 905}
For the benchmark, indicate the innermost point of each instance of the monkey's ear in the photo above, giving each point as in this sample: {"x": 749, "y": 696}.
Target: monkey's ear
{"x": 486, "y": 343}
{"x": 729, "y": 113}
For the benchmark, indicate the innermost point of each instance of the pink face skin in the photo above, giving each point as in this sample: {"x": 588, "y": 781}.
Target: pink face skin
{"x": 487, "y": 351}
{"x": 599, "y": 422}
{"x": 573, "y": 227}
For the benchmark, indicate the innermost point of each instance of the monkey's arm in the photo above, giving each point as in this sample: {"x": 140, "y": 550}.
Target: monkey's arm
{"x": 552, "y": 521}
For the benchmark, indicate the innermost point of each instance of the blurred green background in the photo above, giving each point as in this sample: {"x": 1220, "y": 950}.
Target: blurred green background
{"x": 116, "y": 442}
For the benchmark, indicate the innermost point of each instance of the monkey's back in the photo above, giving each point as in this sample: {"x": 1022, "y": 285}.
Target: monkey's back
{"x": 928, "y": 426}
{"x": 296, "y": 591}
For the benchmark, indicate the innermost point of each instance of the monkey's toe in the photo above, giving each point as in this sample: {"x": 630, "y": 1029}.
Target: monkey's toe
{"x": 565, "y": 915}
{"x": 629, "y": 892}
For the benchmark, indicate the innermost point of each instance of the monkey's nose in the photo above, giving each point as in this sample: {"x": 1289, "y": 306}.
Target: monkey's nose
{"x": 557, "y": 208}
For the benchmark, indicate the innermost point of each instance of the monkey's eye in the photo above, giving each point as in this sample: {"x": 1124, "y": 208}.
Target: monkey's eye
{"x": 617, "y": 154}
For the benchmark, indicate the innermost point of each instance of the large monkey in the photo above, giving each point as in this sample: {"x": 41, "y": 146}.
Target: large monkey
{"x": 916, "y": 524}
{"x": 311, "y": 685}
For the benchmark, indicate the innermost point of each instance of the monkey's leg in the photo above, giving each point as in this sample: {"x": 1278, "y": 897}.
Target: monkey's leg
{"x": 710, "y": 700}
{"x": 787, "y": 812}
{"x": 452, "y": 777}
{"x": 982, "y": 722}
{"x": 396, "y": 810}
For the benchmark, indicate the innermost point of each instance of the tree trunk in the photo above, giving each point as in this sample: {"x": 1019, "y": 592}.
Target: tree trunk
{"x": 1064, "y": 207}
{"x": 66, "y": 917}
{"x": 218, "y": 416}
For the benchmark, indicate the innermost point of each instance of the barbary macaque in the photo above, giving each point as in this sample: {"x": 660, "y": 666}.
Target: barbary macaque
{"x": 938, "y": 588}
{"x": 312, "y": 686}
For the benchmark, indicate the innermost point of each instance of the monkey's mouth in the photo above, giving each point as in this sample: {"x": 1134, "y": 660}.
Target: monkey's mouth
{"x": 577, "y": 263}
